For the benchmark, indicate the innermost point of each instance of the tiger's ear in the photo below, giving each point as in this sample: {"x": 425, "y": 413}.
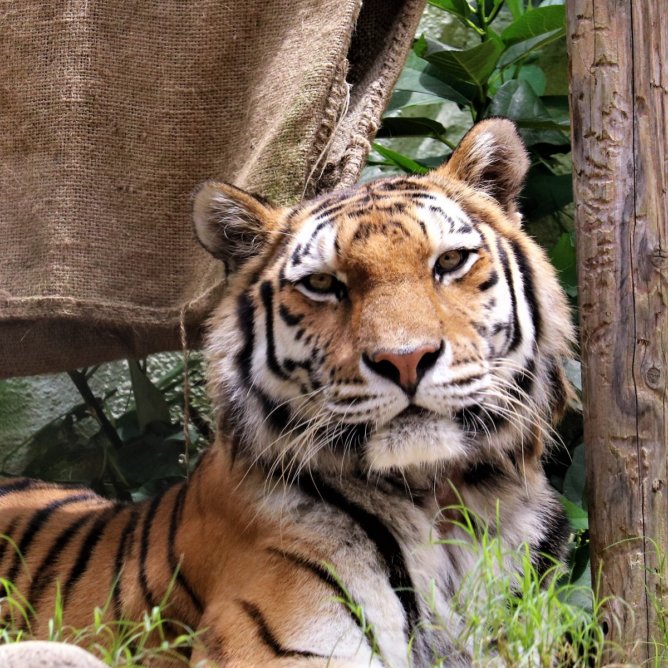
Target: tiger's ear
{"x": 491, "y": 157}
{"x": 230, "y": 223}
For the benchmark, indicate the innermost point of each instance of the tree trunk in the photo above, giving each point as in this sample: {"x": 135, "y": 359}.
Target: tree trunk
{"x": 619, "y": 83}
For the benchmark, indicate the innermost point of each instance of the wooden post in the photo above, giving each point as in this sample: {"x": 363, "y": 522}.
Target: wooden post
{"x": 619, "y": 103}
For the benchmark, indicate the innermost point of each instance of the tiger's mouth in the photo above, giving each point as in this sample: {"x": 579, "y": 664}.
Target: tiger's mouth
{"x": 413, "y": 412}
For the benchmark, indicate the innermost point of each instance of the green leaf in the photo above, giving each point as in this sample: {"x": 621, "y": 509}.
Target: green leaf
{"x": 153, "y": 457}
{"x": 420, "y": 77}
{"x": 394, "y": 126}
{"x": 401, "y": 161}
{"x": 149, "y": 402}
{"x": 563, "y": 258}
{"x": 469, "y": 65}
{"x": 534, "y": 23}
{"x": 577, "y": 516}
{"x": 516, "y": 7}
{"x": 573, "y": 369}
{"x": 574, "y": 480}
{"x": 545, "y": 193}
{"x": 557, "y": 107}
{"x": 434, "y": 161}
{"x": 459, "y": 8}
{"x": 518, "y": 51}
{"x": 516, "y": 100}
{"x": 127, "y": 426}
{"x": 65, "y": 450}
{"x": 404, "y": 99}
{"x": 534, "y": 76}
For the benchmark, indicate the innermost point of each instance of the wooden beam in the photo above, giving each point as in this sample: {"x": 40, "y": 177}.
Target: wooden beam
{"x": 619, "y": 87}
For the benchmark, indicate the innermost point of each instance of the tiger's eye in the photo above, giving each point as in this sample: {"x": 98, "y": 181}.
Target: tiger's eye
{"x": 320, "y": 282}
{"x": 451, "y": 260}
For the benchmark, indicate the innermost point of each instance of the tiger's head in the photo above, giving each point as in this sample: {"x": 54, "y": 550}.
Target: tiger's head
{"x": 407, "y": 323}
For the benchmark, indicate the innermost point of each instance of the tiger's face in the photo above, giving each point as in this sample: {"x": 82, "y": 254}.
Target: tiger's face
{"x": 406, "y": 323}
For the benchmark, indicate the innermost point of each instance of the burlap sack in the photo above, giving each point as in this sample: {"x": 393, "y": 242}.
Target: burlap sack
{"x": 111, "y": 112}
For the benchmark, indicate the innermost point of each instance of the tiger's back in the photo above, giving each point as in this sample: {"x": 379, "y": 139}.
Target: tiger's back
{"x": 379, "y": 353}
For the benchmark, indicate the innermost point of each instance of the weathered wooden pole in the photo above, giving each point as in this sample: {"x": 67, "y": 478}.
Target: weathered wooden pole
{"x": 619, "y": 102}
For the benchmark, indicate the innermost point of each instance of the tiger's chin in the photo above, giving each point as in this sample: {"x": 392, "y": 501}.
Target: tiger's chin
{"x": 415, "y": 437}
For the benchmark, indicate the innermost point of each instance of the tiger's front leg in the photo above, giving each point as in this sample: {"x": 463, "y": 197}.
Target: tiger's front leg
{"x": 243, "y": 635}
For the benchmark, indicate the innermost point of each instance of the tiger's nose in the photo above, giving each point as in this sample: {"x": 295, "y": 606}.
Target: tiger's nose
{"x": 406, "y": 369}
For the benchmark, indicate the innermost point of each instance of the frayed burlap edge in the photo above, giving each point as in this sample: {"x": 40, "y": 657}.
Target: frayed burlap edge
{"x": 350, "y": 147}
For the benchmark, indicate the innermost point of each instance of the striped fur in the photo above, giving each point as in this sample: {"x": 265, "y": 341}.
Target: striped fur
{"x": 376, "y": 350}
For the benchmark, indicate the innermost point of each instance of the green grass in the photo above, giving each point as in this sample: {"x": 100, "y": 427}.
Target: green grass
{"x": 518, "y": 616}
{"x": 523, "y": 617}
{"x": 118, "y": 643}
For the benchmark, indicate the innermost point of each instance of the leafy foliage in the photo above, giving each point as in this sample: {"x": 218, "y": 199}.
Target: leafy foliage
{"x": 128, "y": 441}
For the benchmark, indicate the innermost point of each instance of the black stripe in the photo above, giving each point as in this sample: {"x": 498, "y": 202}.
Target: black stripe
{"x": 93, "y": 537}
{"x": 246, "y": 319}
{"x": 354, "y": 399}
{"x": 387, "y": 545}
{"x": 143, "y": 555}
{"x": 328, "y": 207}
{"x": 36, "y": 522}
{"x": 490, "y": 282}
{"x": 268, "y": 636}
{"x": 400, "y": 184}
{"x": 359, "y": 212}
{"x": 267, "y": 295}
{"x": 119, "y": 561}
{"x": 327, "y": 578}
{"x": 316, "y": 569}
{"x": 529, "y": 287}
{"x": 523, "y": 381}
{"x": 333, "y": 202}
{"x": 465, "y": 380}
{"x": 552, "y": 545}
{"x": 516, "y": 338}
{"x": 388, "y": 205}
{"x": 278, "y": 414}
{"x": 231, "y": 427}
{"x": 289, "y": 318}
{"x": 364, "y": 230}
{"x": 18, "y": 486}
{"x": 175, "y": 566}
{"x": 473, "y": 418}
{"x": 483, "y": 473}
{"x": 47, "y": 569}
{"x": 296, "y": 259}
{"x": 316, "y": 231}
{"x": 291, "y": 364}
{"x": 558, "y": 387}
{"x": 417, "y": 195}
{"x": 7, "y": 535}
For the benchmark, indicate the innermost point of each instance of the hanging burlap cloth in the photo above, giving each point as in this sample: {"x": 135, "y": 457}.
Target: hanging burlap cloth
{"x": 112, "y": 111}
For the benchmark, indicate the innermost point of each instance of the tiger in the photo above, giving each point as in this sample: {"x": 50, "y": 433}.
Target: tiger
{"x": 381, "y": 353}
